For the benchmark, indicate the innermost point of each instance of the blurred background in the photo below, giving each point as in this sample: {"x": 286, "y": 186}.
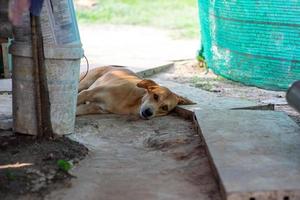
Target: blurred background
{"x": 178, "y": 16}
{"x": 138, "y": 34}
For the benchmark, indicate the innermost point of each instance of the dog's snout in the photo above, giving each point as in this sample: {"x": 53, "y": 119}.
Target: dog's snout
{"x": 147, "y": 112}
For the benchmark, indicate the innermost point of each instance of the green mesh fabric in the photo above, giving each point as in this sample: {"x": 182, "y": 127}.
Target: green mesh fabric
{"x": 256, "y": 42}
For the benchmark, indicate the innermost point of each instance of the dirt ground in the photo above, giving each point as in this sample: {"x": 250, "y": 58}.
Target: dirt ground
{"x": 193, "y": 73}
{"x": 29, "y": 168}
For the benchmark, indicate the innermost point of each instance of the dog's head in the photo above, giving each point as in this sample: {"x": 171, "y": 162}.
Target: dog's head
{"x": 158, "y": 100}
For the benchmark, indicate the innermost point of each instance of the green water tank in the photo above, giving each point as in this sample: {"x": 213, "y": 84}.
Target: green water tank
{"x": 253, "y": 42}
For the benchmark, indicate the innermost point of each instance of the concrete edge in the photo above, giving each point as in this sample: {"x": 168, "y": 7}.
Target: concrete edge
{"x": 189, "y": 114}
{"x": 154, "y": 70}
{"x": 258, "y": 107}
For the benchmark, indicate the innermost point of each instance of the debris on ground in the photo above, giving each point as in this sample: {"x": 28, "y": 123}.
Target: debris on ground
{"x": 29, "y": 167}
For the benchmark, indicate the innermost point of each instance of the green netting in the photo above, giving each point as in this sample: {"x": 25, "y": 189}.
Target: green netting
{"x": 256, "y": 42}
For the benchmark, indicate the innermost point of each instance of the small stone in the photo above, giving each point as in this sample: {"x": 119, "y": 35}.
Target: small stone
{"x": 50, "y": 156}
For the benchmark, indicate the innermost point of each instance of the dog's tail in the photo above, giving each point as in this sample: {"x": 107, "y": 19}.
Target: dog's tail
{"x": 87, "y": 79}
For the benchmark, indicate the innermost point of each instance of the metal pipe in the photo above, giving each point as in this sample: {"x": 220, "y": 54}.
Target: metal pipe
{"x": 36, "y": 75}
{"x": 44, "y": 125}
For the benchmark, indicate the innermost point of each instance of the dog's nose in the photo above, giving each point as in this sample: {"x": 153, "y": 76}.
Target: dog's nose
{"x": 148, "y": 112}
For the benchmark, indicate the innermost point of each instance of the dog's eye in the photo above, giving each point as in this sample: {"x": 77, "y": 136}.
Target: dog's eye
{"x": 156, "y": 97}
{"x": 164, "y": 108}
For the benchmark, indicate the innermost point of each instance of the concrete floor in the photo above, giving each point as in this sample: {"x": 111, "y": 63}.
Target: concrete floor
{"x": 163, "y": 158}
{"x": 131, "y": 158}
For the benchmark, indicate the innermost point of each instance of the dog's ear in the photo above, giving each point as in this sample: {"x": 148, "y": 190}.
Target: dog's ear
{"x": 146, "y": 83}
{"x": 184, "y": 101}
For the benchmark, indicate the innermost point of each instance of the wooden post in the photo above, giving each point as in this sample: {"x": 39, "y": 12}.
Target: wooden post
{"x": 44, "y": 125}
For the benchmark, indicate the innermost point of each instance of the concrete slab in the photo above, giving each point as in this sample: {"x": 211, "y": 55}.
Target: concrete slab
{"x": 255, "y": 153}
{"x": 5, "y": 85}
{"x": 204, "y": 99}
{"x": 150, "y": 70}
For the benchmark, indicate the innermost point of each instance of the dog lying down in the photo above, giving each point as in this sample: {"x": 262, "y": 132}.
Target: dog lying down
{"x": 120, "y": 91}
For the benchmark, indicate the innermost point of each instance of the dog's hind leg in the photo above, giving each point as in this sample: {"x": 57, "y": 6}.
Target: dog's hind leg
{"x": 83, "y": 96}
{"x": 86, "y": 80}
{"x": 87, "y": 95}
{"x": 90, "y": 108}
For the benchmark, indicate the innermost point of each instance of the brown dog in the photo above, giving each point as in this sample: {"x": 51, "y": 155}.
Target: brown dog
{"x": 120, "y": 91}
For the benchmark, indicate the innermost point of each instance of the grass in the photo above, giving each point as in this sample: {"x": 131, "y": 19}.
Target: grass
{"x": 64, "y": 165}
{"x": 179, "y": 16}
